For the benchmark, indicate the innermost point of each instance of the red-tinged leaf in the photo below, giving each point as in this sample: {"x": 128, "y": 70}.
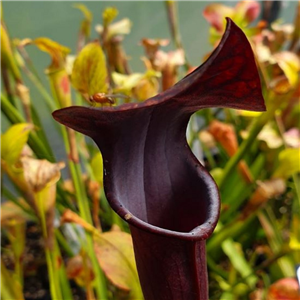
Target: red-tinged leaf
{"x": 152, "y": 179}
{"x": 12, "y": 213}
{"x": 57, "y": 52}
{"x": 114, "y": 251}
{"x": 284, "y": 289}
{"x": 246, "y": 12}
{"x": 138, "y": 85}
{"x": 215, "y": 14}
{"x": 243, "y": 14}
{"x": 265, "y": 190}
{"x": 40, "y": 174}
{"x": 226, "y": 136}
{"x": 60, "y": 84}
{"x": 80, "y": 269}
{"x": 292, "y": 138}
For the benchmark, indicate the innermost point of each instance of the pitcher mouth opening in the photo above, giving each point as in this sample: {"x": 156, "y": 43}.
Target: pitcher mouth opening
{"x": 200, "y": 230}
{"x": 145, "y": 144}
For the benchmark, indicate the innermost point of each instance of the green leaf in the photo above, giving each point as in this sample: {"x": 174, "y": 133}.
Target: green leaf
{"x": 86, "y": 12}
{"x": 290, "y": 65}
{"x": 217, "y": 174}
{"x": 10, "y": 287}
{"x": 7, "y": 57}
{"x": 114, "y": 251}
{"x": 17, "y": 236}
{"x": 97, "y": 167}
{"x": 289, "y": 163}
{"x": 141, "y": 85}
{"x": 125, "y": 83}
{"x": 108, "y": 15}
{"x": 235, "y": 254}
{"x": 13, "y": 141}
{"x": 88, "y": 17}
{"x": 89, "y": 70}
{"x": 227, "y": 296}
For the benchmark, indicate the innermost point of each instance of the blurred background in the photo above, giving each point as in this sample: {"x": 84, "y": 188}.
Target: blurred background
{"x": 60, "y": 21}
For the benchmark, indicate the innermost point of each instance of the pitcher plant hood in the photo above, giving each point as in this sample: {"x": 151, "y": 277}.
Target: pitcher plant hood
{"x": 151, "y": 177}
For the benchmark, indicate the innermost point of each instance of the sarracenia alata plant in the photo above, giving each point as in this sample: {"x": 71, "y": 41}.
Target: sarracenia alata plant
{"x": 151, "y": 177}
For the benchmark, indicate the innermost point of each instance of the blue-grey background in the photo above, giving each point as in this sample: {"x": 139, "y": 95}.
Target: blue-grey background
{"x": 59, "y": 21}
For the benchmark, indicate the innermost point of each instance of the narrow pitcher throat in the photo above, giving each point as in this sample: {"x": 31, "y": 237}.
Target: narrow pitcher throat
{"x": 170, "y": 267}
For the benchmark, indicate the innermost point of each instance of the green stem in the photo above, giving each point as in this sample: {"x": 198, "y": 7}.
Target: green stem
{"x": 100, "y": 287}
{"x": 63, "y": 279}
{"x": 19, "y": 270}
{"x": 76, "y": 175}
{"x": 34, "y": 142}
{"x": 100, "y": 281}
{"x": 208, "y": 115}
{"x": 215, "y": 267}
{"x": 296, "y": 180}
{"x": 230, "y": 230}
{"x": 257, "y": 126}
{"x": 238, "y": 192}
{"x": 38, "y": 84}
{"x": 83, "y": 195}
{"x": 173, "y": 22}
{"x": 40, "y": 132}
{"x": 53, "y": 277}
{"x": 296, "y": 203}
{"x": 63, "y": 243}
{"x": 171, "y": 7}
{"x": 209, "y": 156}
{"x": 117, "y": 221}
{"x": 10, "y": 111}
{"x": 9, "y": 195}
{"x": 53, "y": 288}
{"x": 84, "y": 212}
{"x": 7, "y": 85}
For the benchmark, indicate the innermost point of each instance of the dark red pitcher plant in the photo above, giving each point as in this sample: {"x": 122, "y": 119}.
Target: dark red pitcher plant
{"x": 152, "y": 179}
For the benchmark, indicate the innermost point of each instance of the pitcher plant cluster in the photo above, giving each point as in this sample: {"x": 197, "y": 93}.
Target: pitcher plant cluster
{"x": 185, "y": 151}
